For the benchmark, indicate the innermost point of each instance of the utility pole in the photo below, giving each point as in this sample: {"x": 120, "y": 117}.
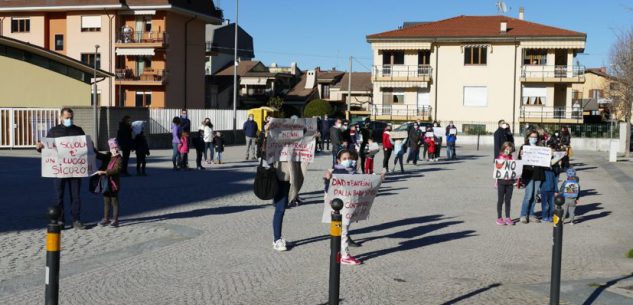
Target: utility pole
{"x": 349, "y": 90}
{"x": 235, "y": 75}
{"x": 94, "y": 98}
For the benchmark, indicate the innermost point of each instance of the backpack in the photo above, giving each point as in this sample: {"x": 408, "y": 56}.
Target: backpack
{"x": 266, "y": 183}
{"x": 571, "y": 189}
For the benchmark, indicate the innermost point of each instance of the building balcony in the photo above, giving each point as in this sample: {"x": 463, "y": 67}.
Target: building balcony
{"x": 401, "y": 112}
{"x": 553, "y": 74}
{"x": 420, "y": 73}
{"x": 149, "y": 77}
{"x": 544, "y": 114}
{"x": 142, "y": 40}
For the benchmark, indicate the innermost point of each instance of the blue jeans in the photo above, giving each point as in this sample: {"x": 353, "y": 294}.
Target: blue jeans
{"x": 208, "y": 146}
{"x": 175, "y": 157}
{"x": 532, "y": 188}
{"x": 450, "y": 151}
{"x": 280, "y": 201}
{"x": 219, "y": 157}
{"x": 547, "y": 205}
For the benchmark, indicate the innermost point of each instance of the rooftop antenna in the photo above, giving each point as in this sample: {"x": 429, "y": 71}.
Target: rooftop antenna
{"x": 502, "y": 8}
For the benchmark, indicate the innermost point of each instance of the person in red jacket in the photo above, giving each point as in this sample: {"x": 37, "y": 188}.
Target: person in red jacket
{"x": 387, "y": 147}
{"x": 429, "y": 140}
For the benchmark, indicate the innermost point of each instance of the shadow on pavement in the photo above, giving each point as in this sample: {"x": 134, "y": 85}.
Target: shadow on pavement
{"x": 596, "y": 293}
{"x": 192, "y": 214}
{"x": 471, "y": 294}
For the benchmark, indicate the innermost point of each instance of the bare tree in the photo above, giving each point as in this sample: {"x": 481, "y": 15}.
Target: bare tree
{"x": 622, "y": 71}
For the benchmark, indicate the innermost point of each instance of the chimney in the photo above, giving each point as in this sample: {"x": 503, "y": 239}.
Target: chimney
{"x": 521, "y": 13}
{"x": 311, "y": 79}
{"x": 317, "y": 69}
{"x": 504, "y": 27}
{"x": 293, "y": 68}
{"x": 603, "y": 70}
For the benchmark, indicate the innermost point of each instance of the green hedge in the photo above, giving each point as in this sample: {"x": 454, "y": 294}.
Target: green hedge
{"x": 317, "y": 108}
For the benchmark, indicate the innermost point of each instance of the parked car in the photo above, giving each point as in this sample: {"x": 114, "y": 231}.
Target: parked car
{"x": 407, "y": 125}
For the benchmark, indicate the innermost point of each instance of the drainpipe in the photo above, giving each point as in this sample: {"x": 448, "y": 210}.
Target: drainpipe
{"x": 437, "y": 68}
{"x": 1, "y": 24}
{"x": 514, "y": 91}
{"x": 110, "y": 48}
{"x": 186, "y": 50}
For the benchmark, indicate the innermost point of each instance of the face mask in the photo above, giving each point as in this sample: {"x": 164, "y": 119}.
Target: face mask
{"x": 504, "y": 126}
{"x": 337, "y": 126}
{"x": 507, "y": 152}
{"x": 346, "y": 163}
{"x": 533, "y": 141}
{"x": 353, "y": 163}
{"x": 184, "y": 116}
{"x": 344, "y": 127}
{"x": 68, "y": 122}
{"x": 556, "y": 134}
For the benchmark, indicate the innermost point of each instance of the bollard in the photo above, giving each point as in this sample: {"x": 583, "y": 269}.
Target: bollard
{"x": 478, "y": 135}
{"x": 53, "y": 238}
{"x": 557, "y": 251}
{"x": 335, "y": 251}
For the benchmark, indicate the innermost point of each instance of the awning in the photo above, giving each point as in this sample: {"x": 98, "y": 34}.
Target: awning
{"x": 253, "y": 80}
{"x": 402, "y": 84}
{"x": 135, "y": 51}
{"x": 401, "y": 45}
{"x": 553, "y": 44}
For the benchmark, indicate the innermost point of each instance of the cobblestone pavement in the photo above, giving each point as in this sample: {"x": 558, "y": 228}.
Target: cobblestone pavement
{"x": 202, "y": 237}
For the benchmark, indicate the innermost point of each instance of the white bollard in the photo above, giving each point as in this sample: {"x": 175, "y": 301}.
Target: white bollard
{"x": 613, "y": 151}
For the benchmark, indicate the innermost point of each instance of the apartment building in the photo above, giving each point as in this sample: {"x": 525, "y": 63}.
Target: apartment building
{"x": 154, "y": 47}
{"x": 476, "y": 68}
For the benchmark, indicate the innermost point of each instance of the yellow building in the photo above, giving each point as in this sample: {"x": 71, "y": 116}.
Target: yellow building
{"x": 145, "y": 43}
{"x": 476, "y": 68}
{"x": 36, "y": 77}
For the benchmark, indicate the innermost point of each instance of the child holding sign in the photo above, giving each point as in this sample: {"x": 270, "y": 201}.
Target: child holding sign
{"x": 370, "y": 152}
{"x": 505, "y": 187}
{"x": 111, "y": 168}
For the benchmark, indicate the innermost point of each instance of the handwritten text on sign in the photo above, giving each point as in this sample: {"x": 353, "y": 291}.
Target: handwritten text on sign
{"x": 356, "y": 191}
{"x": 537, "y": 155}
{"x": 291, "y": 140}
{"x": 68, "y": 157}
{"x": 507, "y": 169}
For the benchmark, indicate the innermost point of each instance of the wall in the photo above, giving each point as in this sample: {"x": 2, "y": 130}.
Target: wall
{"x": 26, "y": 85}
{"x": 37, "y": 34}
{"x": 578, "y": 144}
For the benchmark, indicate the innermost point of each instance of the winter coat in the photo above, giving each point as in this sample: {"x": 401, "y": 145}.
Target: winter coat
{"x": 183, "y": 147}
{"x": 124, "y": 136}
{"x": 501, "y": 136}
{"x": 140, "y": 145}
{"x": 250, "y": 129}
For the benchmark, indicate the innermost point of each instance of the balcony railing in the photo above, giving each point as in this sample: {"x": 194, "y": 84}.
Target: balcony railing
{"x": 543, "y": 113}
{"x": 401, "y": 112}
{"x": 148, "y": 75}
{"x": 403, "y": 72}
{"x": 142, "y": 37}
{"x": 539, "y": 72}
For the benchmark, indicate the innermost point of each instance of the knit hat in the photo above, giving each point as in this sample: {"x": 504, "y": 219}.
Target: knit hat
{"x": 571, "y": 172}
{"x": 112, "y": 143}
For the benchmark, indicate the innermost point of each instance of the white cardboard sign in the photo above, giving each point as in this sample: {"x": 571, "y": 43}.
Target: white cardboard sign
{"x": 291, "y": 140}
{"x": 68, "y": 157}
{"x": 507, "y": 169}
{"x": 357, "y": 192}
{"x": 537, "y": 155}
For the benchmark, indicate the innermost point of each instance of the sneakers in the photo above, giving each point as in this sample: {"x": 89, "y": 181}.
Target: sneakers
{"x": 536, "y": 220}
{"x": 350, "y": 260}
{"x": 500, "y": 222}
{"x": 280, "y": 245}
{"x": 104, "y": 222}
{"x": 509, "y": 221}
{"x": 524, "y": 220}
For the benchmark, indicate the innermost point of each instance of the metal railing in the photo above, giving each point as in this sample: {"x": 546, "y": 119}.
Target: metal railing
{"x": 546, "y": 113}
{"x": 23, "y": 127}
{"x": 400, "y": 72}
{"x": 154, "y": 75}
{"x": 557, "y": 71}
{"x": 160, "y": 119}
{"x": 407, "y": 112}
{"x": 142, "y": 37}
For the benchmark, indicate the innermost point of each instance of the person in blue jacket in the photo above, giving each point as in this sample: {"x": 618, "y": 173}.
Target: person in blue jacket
{"x": 250, "y": 132}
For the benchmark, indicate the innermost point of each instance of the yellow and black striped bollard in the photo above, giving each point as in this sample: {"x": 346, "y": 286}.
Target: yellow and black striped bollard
{"x": 335, "y": 251}
{"x": 53, "y": 240}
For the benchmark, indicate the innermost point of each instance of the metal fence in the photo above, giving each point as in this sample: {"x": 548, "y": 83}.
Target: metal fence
{"x": 598, "y": 130}
{"x": 23, "y": 127}
{"x": 160, "y": 119}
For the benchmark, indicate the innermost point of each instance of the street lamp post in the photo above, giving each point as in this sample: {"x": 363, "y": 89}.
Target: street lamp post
{"x": 235, "y": 75}
{"x": 94, "y": 96}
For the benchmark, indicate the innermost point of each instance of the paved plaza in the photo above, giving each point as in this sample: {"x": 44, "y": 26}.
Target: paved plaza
{"x": 202, "y": 237}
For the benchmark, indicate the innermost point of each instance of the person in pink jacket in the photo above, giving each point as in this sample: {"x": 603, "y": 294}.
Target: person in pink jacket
{"x": 183, "y": 148}
{"x": 505, "y": 187}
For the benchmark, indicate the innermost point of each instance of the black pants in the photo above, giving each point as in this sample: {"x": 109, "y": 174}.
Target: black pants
{"x": 140, "y": 163}
{"x": 413, "y": 154}
{"x": 385, "y": 161}
{"x": 504, "y": 194}
{"x": 74, "y": 185}
{"x": 126, "y": 159}
{"x": 199, "y": 155}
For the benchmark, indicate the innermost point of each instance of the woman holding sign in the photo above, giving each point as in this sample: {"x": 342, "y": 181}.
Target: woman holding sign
{"x": 532, "y": 177}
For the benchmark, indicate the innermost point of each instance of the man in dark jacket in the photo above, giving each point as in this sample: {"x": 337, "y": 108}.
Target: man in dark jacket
{"x": 124, "y": 138}
{"x": 502, "y": 135}
{"x": 366, "y": 134}
{"x": 67, "y": 129}
{"x": 325, "y": 132}
{"x": 250, "y": 132}
{"x": 413, "y": 140}
{"x": 336, "y": 137}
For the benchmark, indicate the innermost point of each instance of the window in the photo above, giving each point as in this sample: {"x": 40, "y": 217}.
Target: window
{"x": 59, "y": 42}
{"x": 534, "y": 96}
{"x": 393, "y": 96}
{"x": 143, "y": 99}
{"x": 325, "y": 91}
{"x": 476, "y": 96}
{"x": 90, "y": 23}
{"x": 148, "y": 25}
{"x": 393, "y": 58}
{"x": 534, "y": 57}
{"x": 475, "y": 55}
{"x": 20, "y": 25}
{"x": 89, "y": 59}
{"x": 424, "y": 57}
{"x": 576, "y": 95}
{"x": 596, "y": 93}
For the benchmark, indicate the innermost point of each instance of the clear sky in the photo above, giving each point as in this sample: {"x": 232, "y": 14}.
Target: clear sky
{"x": 326, "y": 32}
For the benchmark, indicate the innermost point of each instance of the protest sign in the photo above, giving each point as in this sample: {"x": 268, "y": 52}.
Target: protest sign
{"x": 452, "y": 131}
{"x": 291, "y": 140}
{"x": 507, "y": 169}
{"x": 438, "y": 131}
{"x": 429, "y": 134}
{"x": 68, "y": 157}
{"x": 356, "y": 191}
{"x": 399, "y": 134}
{"x": 557, "y": 156}
{"x": 537, "y": 155}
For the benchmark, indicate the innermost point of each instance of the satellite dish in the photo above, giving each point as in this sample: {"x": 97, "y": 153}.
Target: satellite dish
{"x": 502, "y": 8}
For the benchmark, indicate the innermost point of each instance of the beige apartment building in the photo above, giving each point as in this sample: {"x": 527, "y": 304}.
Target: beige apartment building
{"x": 476, "y": 69}
{"x": 155, "y": 48}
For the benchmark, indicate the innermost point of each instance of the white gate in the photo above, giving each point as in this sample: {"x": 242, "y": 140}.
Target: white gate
{"x": 160, "y": 119}
{"x": 24, "y": 127}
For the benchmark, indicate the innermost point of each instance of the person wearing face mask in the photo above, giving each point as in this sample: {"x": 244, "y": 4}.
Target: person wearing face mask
{"x": 451, "y": 139}
{"x": 505, "y": 187}
{"x": 502, "y": 134}
{"x": 336, "y": 138}
{"x": 111, "y": 168}
{"x": 66, "y": 129}
{"x": 250, "y": 131}
{"x": 365, "y": 134}
{"x": 185, "y": 126}
{"x": 414, "y": 137}
{"x": 532, "y": 177}
{"x": 387, "y": 147}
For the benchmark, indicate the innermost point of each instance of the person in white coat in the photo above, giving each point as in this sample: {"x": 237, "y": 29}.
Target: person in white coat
{"x": 207, "y": 129}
